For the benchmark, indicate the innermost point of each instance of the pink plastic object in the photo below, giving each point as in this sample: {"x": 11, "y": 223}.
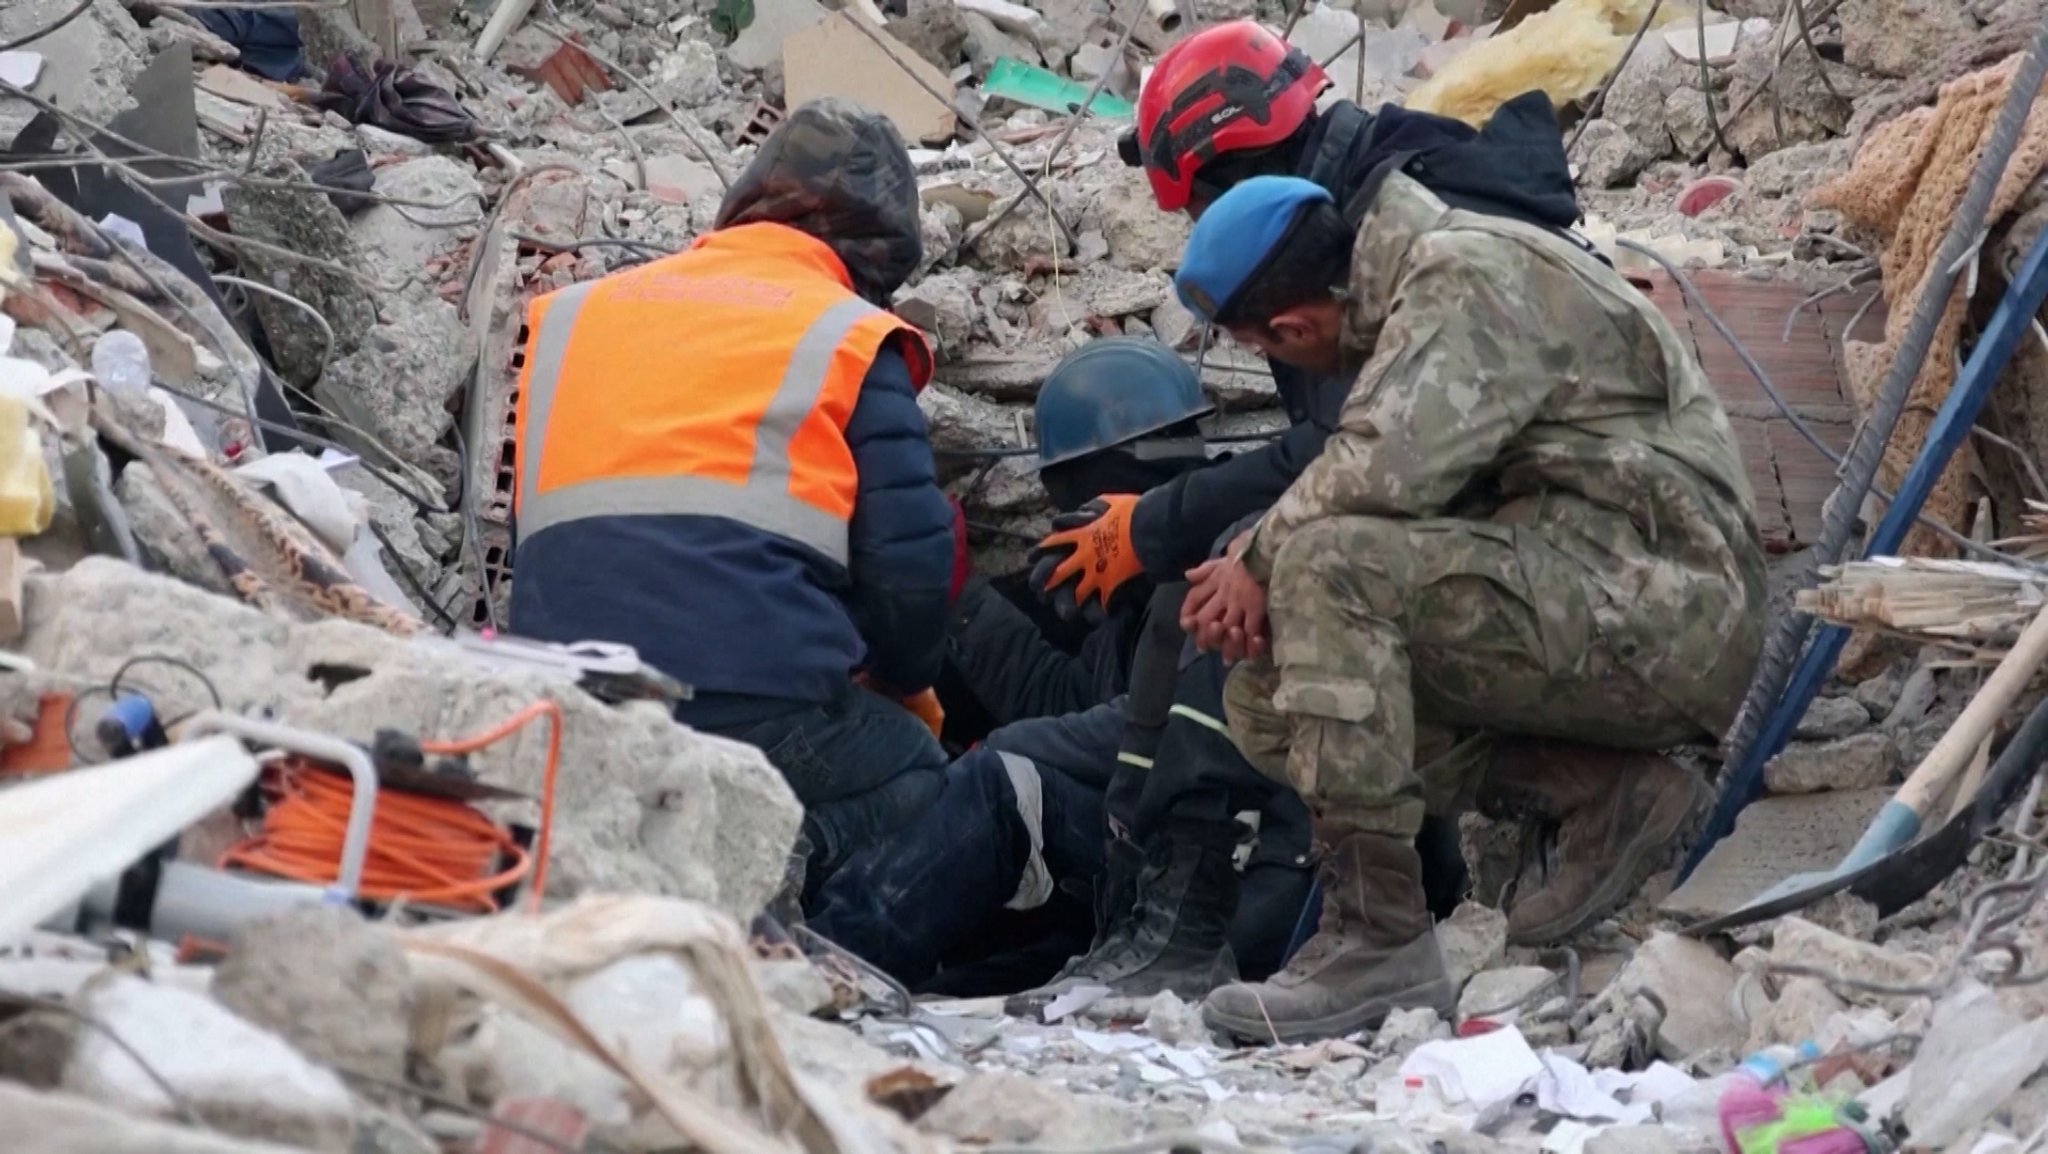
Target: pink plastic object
{"x": 1743, "y": 1105}
{"x": 1706, "y": 192}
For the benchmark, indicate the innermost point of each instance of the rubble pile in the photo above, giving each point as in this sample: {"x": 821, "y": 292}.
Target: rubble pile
{"x": 335, "y": 252}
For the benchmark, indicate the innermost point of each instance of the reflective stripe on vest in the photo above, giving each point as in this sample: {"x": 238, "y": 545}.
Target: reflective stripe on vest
{"x": 763, "y": 501}
{"x": 774, "y": 460}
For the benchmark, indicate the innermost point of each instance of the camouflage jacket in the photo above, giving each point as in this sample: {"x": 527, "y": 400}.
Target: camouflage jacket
{"x": 1503, "y": 374}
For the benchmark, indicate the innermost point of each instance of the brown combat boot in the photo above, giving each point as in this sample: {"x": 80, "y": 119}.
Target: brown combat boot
{"x": 1374, "y": 952}
{"x": 1618, "y": 814}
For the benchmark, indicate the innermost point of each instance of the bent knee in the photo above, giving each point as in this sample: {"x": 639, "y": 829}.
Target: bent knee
{"x": 1361, "y": 559}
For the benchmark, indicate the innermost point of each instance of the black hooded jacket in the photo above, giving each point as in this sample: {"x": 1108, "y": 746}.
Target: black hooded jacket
{"x": 1516, "y": 168}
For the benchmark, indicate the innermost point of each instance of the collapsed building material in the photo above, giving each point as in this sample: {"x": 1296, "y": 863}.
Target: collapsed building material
{"x": 645, "y": 805}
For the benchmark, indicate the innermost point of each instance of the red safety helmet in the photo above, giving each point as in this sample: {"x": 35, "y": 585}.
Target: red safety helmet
{"x": 1228, "y": 88}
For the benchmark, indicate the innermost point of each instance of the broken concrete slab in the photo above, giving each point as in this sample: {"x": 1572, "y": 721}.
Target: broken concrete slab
{"x": 1802, "y": 1007}
{"x": 652, "y": 806}
{"x": 833, "y": 57}
{"x": 1865, "y": 761}
{"x": 959, "y": 422}
{"x": 1609, "y": 155}
{"x": 934, "y": 30}
{"x": 1974, "y": 1058}
{"x": 1695, "y": 985}
{"x": 1140, "y": 236}
{"x": 1498, "y": 994}
{"x": 676, "y": 179}
{"x": 944, "y": 306}
{"x": 307, "y": 224}
{"x": 88, "y": 64}
{"x": 398, "y": 386}
{"x": 1829, "y": 718}
{"x": 1474, "y": 938}
{"x": 238, "y": 1078}
{"x": 1898, "y": 37}
{"x": 401, "y": 240}
{"x": 1796, "y": 941}
{"x": 328, "y": 982}
{"x": 1775, "y": 838}
{"x": 1801, "y": 108}
{"x": 1635, "y": 100}
{"x": 68, "y": 1124}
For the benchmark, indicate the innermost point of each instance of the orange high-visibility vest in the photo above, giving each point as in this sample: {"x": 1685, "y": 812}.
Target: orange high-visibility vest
{"x": 715, "y": 382}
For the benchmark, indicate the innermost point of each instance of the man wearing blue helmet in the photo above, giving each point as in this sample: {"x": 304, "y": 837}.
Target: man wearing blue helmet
{"x": 1524, "y": 564}
{"x": 1114, "y": 414}
{"x": 1022, "y": 815}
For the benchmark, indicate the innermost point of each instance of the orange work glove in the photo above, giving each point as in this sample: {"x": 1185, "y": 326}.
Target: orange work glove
{"x": 926, "y": 707}
{"x": 1091, "y": 548}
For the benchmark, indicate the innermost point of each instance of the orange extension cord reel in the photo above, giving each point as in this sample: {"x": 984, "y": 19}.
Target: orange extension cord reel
{"x": 423, "y": 848}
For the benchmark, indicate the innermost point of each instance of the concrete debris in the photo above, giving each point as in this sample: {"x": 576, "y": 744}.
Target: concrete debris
{"x": 1695, "y": 986}
{"x": 654, "y": 807}
{"x": 1798, "y": 941}
{"x": 1473, "y": 938}
{"x": 1498, "y": 995}
{"x": 331, "y": 984}
{"x": 1861, "y": 762}
{"x": 236, "y": 1077}
{"x": 395, "y": 390}
{"x": 66, "y": 1124}
{"x": 1975, "y": 1056}
{"x": 403, "y": 240}
{"x": 1829, "y": 718}
{"x": 1897, "y": 37}
{"x": 392, "y": 318}
{"x": 1609, "y": 155}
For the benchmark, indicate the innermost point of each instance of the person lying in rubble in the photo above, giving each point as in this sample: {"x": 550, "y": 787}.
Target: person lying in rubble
{"x": 721, "y": 462}
{"x": 1227, "y": 103}
{"x": 979, "y": 897}
{"x": 1525, "y": 562}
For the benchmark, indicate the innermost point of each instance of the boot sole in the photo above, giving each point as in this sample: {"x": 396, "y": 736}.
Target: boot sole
{"x": 1639, "y": 859}
{"x": 1437, "y": 995}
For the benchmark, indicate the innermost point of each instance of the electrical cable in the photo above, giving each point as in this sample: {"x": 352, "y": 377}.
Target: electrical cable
{"x": 422, "y": 848}
{"x": 504, "y": 729}
{"x": 112, "y": 689}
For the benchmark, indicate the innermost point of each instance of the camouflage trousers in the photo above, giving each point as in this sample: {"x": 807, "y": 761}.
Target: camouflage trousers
{"x": 1401, "y": 647}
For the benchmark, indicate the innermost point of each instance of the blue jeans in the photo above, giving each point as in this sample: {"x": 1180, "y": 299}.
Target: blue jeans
{"x": 904, "y": 905}
{"x": 864, "y": 767}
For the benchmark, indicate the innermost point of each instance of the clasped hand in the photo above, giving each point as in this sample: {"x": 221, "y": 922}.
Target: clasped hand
{"x": 1225, "y": 609}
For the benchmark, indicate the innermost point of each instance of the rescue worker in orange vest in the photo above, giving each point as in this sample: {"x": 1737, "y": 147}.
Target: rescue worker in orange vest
{"x": 722, "y": 463}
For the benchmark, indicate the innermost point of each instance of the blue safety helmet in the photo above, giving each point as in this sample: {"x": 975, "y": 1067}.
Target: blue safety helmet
{"x": 1112, "y": 391}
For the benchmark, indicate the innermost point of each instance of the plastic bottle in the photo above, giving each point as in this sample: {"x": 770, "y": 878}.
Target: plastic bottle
{"x": 1752, "y": 1093}
{"x": 1701, "y": 1108}
{"x": 121, "y": 362}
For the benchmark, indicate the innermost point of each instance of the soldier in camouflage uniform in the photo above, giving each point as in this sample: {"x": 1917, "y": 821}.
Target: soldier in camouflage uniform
{"x": 1526, "y": 561}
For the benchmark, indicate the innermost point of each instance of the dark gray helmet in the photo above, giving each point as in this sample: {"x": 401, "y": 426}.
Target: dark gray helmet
{"x": 840, "y": 173}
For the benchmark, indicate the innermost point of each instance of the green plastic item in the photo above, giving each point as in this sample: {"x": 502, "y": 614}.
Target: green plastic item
{"x": 729, "y": 18}
{"x": 1031, "y": 85}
